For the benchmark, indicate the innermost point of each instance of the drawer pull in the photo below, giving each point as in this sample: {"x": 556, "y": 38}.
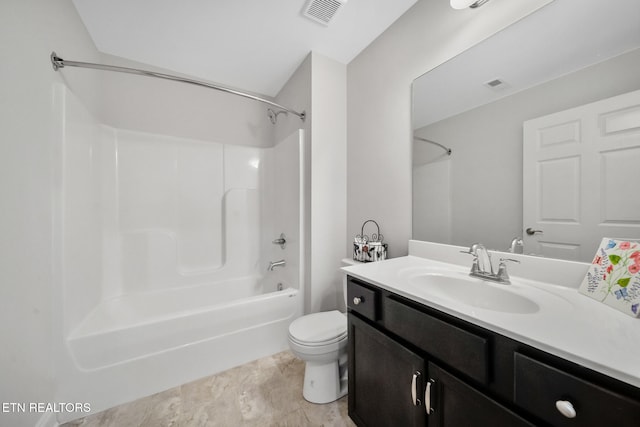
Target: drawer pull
{"x": 414, "y": 389}
{"x": 566, "y": 408}
{"x": 427, "y": 397}
{"x": 358, "y": 300}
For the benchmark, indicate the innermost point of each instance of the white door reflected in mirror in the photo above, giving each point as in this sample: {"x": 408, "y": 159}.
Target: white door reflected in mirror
{"x": 579, "y": 177}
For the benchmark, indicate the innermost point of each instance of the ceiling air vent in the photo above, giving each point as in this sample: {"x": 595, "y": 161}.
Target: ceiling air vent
{"x": 496, "y": 84}
{"x": 322, "y": 11}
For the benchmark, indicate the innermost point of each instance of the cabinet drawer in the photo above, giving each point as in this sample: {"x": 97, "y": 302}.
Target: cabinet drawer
{"x": 462, "y": 350}
{"x": 539, "y": 386}
{"x": 362, "y": 299}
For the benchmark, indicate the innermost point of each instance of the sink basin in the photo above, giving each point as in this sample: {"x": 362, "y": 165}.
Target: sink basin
{"x": 471, "y": 291}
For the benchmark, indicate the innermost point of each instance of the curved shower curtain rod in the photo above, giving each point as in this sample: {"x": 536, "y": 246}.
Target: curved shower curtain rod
{"x": 447, "y": 149}
{"x": 61, "y": 63}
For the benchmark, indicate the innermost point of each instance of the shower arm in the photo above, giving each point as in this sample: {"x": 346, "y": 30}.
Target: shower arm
{"x": 58, "y": 63}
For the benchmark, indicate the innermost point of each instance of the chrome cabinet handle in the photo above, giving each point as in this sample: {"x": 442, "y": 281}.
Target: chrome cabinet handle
{"x": 358, "y": 300}
{"x": 414, "y": 389}
{"x": 530, "y": 231}
{"x": 427, "y": 398}
{"x": 566, "y": 408}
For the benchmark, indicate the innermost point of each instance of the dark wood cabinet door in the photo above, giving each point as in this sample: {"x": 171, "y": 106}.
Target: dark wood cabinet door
{"x": 382, "y": 375}
{"x": 456, "y": 404}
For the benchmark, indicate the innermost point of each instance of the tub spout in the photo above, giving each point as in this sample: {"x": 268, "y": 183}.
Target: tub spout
{"x": 274, "y": 264}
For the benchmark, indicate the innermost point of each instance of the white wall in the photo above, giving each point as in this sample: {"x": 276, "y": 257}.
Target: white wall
{"x": 319, "y": 87}
{"x": 30, "y": 30}
{"x": 432, "y": 200}
{"x": 170, "y": 108}
{"x": 379, "y": 105}
{"x": 328, "y": 181}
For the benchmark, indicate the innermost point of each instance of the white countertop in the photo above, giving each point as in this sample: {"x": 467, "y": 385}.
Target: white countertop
{"x": 567, "y": 323}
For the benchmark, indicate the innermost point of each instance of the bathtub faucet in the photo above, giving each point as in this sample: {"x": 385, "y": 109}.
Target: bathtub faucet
{"x": 274, "y": 264}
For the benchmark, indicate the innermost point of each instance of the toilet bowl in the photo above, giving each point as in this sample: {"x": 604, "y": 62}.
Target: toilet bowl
{"x": 320, "y": 339}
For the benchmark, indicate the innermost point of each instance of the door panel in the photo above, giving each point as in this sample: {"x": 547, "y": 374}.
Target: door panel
{"x": 381, "y": 376}
{"x": 559, "y": 190}
{"x": 456, "y": 404}
{"x": 620, "y": 170}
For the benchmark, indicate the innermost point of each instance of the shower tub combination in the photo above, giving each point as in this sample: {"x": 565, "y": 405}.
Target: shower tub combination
{"x": 164, "y": 247}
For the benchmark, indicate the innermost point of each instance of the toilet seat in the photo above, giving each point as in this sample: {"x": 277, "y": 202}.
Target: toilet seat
{"x": 319, "y": 329}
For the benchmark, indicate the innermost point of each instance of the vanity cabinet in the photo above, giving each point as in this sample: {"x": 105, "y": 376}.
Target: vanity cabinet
{"x": 412, "y": 365}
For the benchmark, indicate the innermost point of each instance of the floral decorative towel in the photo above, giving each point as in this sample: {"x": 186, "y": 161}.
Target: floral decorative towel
{"x": 614, "y": 276}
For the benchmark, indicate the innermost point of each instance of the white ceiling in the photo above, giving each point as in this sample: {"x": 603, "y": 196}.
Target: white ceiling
{"x": 560, "y": 38}
{"x": 254, "y": 45}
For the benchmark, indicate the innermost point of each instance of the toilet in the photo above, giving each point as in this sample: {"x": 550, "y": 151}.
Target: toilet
{"x": 320, "y": 339}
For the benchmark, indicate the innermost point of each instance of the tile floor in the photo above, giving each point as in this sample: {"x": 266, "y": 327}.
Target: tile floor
{"x": 266, "y": 392}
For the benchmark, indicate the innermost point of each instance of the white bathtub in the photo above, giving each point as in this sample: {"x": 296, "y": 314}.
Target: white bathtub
{"x": 135, "y": 345}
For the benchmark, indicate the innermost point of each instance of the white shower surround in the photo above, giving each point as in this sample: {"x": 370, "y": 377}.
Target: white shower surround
{"x": 164, "y": 245}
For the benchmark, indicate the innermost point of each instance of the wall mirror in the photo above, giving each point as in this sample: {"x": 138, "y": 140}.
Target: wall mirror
{"x": 542, "y": 121}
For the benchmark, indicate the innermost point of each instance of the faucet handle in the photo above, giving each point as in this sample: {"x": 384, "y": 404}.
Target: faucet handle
{"x": 282, "y": 241}
{"x": 502, "y": 274}
{"x": 475, "y": 267}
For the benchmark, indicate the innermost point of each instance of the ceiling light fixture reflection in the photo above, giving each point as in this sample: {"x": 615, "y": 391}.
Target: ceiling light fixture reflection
{"x": 462, "y": 4}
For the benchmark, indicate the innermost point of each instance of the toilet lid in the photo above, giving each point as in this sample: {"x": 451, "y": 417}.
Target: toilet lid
{"x": 323, "y": 327}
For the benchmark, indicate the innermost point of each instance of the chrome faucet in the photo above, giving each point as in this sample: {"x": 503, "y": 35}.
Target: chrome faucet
{"x": 483, "y": 268}
{"x": 483, "y": 258}
{"x": 274, "y": 264}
